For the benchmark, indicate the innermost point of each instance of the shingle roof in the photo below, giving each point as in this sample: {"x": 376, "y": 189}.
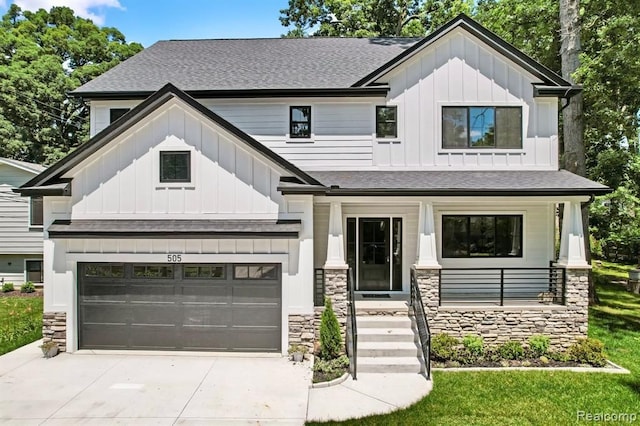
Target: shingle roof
{"x": 558, "y": 182}
{"x": 30, "y": 167}
{"x": 234, "y": 64}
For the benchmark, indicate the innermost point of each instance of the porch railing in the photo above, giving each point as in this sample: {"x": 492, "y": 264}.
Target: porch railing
{"x": 421, "y": 322}
{"x": 352, "y": 327}
{"x": 503, "y": 286}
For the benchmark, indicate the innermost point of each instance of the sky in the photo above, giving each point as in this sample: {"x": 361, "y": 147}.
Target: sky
{"x": 147, "y": 21}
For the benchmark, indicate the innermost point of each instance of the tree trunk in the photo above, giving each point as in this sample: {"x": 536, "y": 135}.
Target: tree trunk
{"x": 574, "y": 159}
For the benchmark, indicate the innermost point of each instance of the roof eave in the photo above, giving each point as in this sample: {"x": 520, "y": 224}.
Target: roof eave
{"x": 466, "y": 192}
{"x": 545, "y": 91}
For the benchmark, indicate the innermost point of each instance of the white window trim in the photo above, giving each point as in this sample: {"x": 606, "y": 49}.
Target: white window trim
{"x": 399, "y": 129}
{"x": 156, "y": 167}
{"x": 312, "y": 136}
{"x": 516, "y": 151}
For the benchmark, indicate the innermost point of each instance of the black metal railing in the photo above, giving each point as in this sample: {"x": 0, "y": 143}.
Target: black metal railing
{"x": 352, "y": 327}
{"x": 421, "y": 322}
{"x": 502, "y": 286}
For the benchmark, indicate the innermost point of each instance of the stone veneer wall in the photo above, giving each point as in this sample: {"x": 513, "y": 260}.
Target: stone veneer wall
{"x": 302, "y": 330}
{"x": 54, "y": 328}
{"x": 497, "y": 324}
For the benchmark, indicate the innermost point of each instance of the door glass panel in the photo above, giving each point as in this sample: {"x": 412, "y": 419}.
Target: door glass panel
{"x": 351, "y": 245}
{"x": 374, "y": 254}
{"x": 397, "y": 254}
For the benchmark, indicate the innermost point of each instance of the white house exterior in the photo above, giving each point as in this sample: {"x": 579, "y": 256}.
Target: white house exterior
{"x": 244, "y": 177}
{"x": 20, "y": 225}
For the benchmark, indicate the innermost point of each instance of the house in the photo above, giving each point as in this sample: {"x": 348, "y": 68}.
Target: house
{"x": 230, "y": 184}
{"x": 20, "y": 225}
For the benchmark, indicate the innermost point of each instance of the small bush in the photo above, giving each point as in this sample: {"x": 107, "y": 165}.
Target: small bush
{"x": 511, "y": 350}
{"x": 558, "y": 356}
{"x": 539, "y": 345}
{"x": 27, "y": 287}
{"x": 327, "y": 370}
{"x": 443, "y": 347}
{"x": 474, "y": 345}
{"x": 7, "y": 287}
{"x": 330, "y": 337}
{"x": 587, "y": 351}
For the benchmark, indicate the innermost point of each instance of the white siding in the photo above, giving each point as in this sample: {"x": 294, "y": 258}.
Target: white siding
{"x": 15, "y": 236}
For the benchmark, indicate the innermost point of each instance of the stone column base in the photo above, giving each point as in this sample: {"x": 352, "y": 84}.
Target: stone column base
{"x": 54, "y": 329}
{"x": 302, "y": 330}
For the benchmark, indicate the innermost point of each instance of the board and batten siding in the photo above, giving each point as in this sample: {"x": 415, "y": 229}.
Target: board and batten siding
{"x": 228, "y": 181}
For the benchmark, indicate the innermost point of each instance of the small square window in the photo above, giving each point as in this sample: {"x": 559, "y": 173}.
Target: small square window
{"x": 115, "y": 113}
{"x": 300, "y": 121}
{"x": 175, "y": 166}
{"x": 35, "y": 214}
{"x": 386, "y": 121}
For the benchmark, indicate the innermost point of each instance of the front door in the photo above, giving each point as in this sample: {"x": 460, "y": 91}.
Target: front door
{"x": 374, "y": 271}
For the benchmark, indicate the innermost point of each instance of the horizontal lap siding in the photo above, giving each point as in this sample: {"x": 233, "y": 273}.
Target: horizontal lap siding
{"x": 15, "y": 236}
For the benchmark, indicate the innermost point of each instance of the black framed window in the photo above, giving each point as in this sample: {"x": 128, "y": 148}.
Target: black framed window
{"x": 386, "y": 121}
{"x": 105, "y": 270}
{"x": 115, "y": 113}
{"x": 203, "y": 271}
{"x": 36, "y": 217}
{"x": 482, "y": 127}
{"x": 482, "y": 236}
{"x": 152, "y": 271}
{"x": 175, "y": 166}
{"x": 34, "y": 271}
{"x": 300, "y": 121}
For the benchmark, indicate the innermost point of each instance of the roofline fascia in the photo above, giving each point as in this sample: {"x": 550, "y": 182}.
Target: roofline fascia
{"x": 367, "y": 91}
{"x": 10, "y": 162}
{"x": 222, "y": 235}
{"x": 544, "y": 91}
{"x": 474, "y": 28}
{"x": 400, "y": 192}
{"x": 45, "y": 191}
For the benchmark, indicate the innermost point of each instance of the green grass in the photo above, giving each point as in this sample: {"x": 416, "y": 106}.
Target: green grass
{"x": 540, "y": 397}
{"x": 20, "y": 322}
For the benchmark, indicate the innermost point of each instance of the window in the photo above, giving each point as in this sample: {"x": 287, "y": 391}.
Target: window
{"x": 386, "y": 121}
{"x": 104, "y": 271}
{"x": 34, "y": 271}
{"x": 482, "y": 127}
{"x": 115, "y": 113}
{"x": 255, "y": 272}
{"x": 152, "y": 271}
{"x": 203, "y": 271}
{"x": 35, "y": 212}
{"x": 482, "y": 236}
{"x": 175, "y": 166}
{"x": 300, "y": 121}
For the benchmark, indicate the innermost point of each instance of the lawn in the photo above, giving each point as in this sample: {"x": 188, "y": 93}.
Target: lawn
{"x": 20, "y": 322}
{"x": 542, "y": 398}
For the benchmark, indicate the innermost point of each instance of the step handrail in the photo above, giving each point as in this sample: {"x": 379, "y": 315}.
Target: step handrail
{"x": 352, "y": 327}
{"x": 421, "y": 322}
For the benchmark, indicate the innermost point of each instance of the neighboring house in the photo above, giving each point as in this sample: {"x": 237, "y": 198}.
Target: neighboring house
{"x": 215, "y": 212}
{"x": 20, "y": 225}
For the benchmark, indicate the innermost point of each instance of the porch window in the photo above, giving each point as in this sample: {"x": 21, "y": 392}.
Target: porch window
{"x": 300, "y": 122}
{"x": 482, "y": 236}
{"x": 482, "y": 127}
{"x": 386, "y": 122}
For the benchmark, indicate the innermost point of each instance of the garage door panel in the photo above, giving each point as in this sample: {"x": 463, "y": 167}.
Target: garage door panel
{"x": 151, "y": 291}
{"x": 158, "y": 314}
{"x": 252, "y": 317}
{"x": 205, "y": 338}
{"x": 107, "y": 291}
{"x": 153, "y": 336}
{"x": 256, "y": 294}
{"x": 105, "y": 336}
{"x": 106, "y": 313}
{"x": 252, "y": 340}
{"x": 207, "y": 315}
{"x": 214, "y": 293}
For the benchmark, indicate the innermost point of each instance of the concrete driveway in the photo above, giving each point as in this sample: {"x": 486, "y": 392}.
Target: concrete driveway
{"x": 150, "y": 389}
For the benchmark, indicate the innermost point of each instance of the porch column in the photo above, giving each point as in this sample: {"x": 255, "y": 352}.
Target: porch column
{"x": 427, "y": 257}
{"x": 335, "y": 241}
{"x": 336, "y": 269}
{"x": 572, "y": 250}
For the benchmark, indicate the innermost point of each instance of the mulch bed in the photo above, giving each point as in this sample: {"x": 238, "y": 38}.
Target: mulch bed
{"x": 501, "y": 364}
{"x": 16, "y": 293}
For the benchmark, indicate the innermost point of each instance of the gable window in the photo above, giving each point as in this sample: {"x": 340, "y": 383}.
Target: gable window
{"x": 35, "y": 212}
{"x": 115, "y": 113}
{"x": 386, "y": 121}
{"x": 300, "y": 121}
{"x": 482, "y": 127}
{"x": 175, "y": 166}
{"x": 482, "y": 236}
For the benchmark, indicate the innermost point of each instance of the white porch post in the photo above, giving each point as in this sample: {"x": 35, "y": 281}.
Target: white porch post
{"x": 427, "y": 256}
{"x": 335, "y": 242}
{"x": 572, "y": 250}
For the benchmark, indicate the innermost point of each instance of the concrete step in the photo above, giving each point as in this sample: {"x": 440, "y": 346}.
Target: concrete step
{"x": 389, "y": 365}
{"x": 369, "y": 321}
{"x": 385, "y": 307}
{"x": 388, "y": 349}
{"x": 386, "y": 335}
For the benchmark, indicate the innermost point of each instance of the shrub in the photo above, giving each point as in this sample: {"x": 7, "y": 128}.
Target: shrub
{"x": 539, "y": 345}
{"x": 7, "y": 287}
{"x": 474, "y": 345}
{"x": 27, "y": 287}
{"x": 558, "y": 356}
{"x": 587, "y": 351}
{"x": 329, "y": 366}
{"x": 330, "y": 337}
{"x": 443, "y": 347}
{"x": 511, "y": 350}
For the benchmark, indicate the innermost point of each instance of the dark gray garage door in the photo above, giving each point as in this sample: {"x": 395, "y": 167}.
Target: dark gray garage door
{"x": 216, "y": 307}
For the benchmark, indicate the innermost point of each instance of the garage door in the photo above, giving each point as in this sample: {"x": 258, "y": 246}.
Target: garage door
{"x": 215, "y": 307}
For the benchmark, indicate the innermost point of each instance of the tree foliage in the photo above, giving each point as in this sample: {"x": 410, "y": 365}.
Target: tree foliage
{"x": 44, "y": 55}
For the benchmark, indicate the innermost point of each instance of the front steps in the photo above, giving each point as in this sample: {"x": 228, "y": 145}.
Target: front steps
{"x": 387, "y": 338}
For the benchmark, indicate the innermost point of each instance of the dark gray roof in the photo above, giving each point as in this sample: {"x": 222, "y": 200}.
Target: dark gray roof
{"x": 234, "y": 64}
{"x": 552, "y": 182}
{"x": 127, "y": 228}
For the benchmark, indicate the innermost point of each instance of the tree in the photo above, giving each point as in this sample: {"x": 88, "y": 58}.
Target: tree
{"x": 369, "y": 18}
{"x": 43, "y": 56}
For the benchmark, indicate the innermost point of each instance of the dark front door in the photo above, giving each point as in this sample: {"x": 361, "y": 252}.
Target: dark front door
{"x": 374, "y": 250}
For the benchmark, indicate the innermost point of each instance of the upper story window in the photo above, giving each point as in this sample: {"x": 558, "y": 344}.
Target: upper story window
{"x": 481, "y": 127}
{"x": 300, "y": 121}
{"x": 115, "y": 113}
{"x": 482, "y": 236}
{"x": 386, "y": 121}
{"x": 35, "y": 212}
{"x": 175, "y": 166}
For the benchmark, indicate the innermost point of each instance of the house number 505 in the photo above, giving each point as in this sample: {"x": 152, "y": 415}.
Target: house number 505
{"x": 174, "y": 258}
